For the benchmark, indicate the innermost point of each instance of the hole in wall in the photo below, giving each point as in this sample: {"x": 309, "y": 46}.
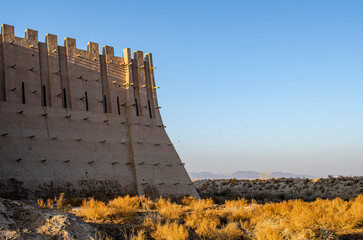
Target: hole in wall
{"x": 136, "y": 107}
{"x": 148, "y": 102}
{"x": 86, "y": 100}
{"x": 118, "y": 105}
{"x": 22, "y": 93}
{"x": 104, "y": 104}
{"x": 44, "y": 96}
{"x": 64, "y": 98}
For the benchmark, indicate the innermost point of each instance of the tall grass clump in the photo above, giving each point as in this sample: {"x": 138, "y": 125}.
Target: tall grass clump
{"x": 170, "y": 231}
{"x": 168, "y": 210}
{"x": 94, "y": 210}
{"x": 55, "y": 203}
{"x": 124, "y": 206}
{"x": 118, "y": 209}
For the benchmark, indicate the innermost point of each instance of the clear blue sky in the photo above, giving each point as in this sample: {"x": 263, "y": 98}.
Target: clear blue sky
{"x": 245, "y": 85}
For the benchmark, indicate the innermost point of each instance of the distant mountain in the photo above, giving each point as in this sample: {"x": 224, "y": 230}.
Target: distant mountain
{"x": 205, "y": 175}
{"x": 245, "y": 175}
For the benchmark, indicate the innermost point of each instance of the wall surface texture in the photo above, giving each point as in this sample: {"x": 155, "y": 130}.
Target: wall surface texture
{"x": 82, "y": 123}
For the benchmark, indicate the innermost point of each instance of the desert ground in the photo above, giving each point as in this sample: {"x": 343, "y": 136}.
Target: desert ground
{"x": 327, "y": 208}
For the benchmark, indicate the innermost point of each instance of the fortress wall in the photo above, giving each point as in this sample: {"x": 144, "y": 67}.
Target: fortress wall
{"x": 56, "y": 138}
{"x": 69, "y": 151}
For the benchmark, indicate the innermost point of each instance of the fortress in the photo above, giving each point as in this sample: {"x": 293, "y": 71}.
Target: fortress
{"x": 82, "y": 123}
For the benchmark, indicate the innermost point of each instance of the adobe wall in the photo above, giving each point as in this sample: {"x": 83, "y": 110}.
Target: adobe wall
{"x": 82, "y": 123}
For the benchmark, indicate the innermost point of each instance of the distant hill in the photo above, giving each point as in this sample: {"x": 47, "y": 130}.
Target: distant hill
{"x": 245, "y": 175}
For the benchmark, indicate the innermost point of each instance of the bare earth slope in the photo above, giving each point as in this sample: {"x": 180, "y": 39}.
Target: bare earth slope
{"x": 19, "y": 220}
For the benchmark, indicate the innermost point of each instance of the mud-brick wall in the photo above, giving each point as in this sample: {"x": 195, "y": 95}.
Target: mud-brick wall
{"x": 82, "y": 123}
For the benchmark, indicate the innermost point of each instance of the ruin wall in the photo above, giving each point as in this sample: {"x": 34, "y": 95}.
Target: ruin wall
{"x": 80, "y": 122}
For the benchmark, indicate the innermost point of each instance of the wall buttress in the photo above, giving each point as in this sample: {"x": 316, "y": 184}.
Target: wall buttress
{"x": 54, "y": 72}
{"x": 129, "y": 98}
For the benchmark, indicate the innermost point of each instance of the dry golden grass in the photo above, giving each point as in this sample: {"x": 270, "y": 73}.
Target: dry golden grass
{"x": 133, "y": 234}
{"x": 168, "y": 209}
{"x": 296, "y": 219}
{"x": 236, "y": 219}
{"x": 170, "y": 231}
{"x": 56, "y": 203}
{"x": 197, "y": 204}
{"x": 94, "y": 210}
{"x": 124, "y": 206}
{"x": 120, "y": 209}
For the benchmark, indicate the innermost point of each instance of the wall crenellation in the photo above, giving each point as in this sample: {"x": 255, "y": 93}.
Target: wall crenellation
{"x": 81, "y": 122}
{"x": 62, "y": 75}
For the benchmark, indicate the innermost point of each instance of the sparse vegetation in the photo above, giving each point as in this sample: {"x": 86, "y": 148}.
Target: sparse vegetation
{"x": 280, "y": 189}
{"x": 235, "y": 219}
{"x": 285, "y": 216}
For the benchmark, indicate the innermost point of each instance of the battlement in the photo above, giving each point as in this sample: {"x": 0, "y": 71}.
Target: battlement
{"x": 77, "y": 120}
{"x": 88, "y": 81}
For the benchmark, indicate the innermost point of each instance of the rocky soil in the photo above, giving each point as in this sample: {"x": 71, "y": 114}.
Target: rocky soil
{"x": 19, "y": 220}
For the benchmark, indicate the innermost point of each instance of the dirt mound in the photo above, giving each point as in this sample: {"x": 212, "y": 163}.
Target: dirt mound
{"x": 19, "y": 220}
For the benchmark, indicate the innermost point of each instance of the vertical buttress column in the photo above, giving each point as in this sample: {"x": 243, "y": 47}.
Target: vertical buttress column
{"x": 104, "y": 81}
{"x": 91, "y": 76}
{"x": 29, "y": 55}
{"x": 45, "y": 92}
{"x": 54, "y": 73}
{"x": 108, "y": 91}
{"x": 12, "y": 86}
{"x": 130, "y": 99}
{"x": 74, "y": 85}
{"x": 150, "y": 84}
{"x": 65, "y": 85}
{"x": 2, "y": 75}
{"x": 141, "y": 87}
{"x": 152, "y": 95}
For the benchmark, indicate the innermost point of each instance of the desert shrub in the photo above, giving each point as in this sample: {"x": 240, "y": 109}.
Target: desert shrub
{"x": 204, "y": 186}
{"x": 230, "y": 231}
{"x": 202, "y": 219}
{"x": 168, "y": 210}
{"x": 94, "y": 210}
{"x": 296, "y": 219}
{"x": 124, "y": 206}
{"x": 146, "y": 203}
{"x": 197, "y": 204}
{"x": 41, "y": 203}
{"x": 59, "y": 202}
{"x": 170, "y": 231}
{"x": 56, "y": 203}
{"x": 204, "y": 223}
{"x": 236, "y": 210}
{"x": 133, "y": 234}
{"x": 119, "y": 209}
